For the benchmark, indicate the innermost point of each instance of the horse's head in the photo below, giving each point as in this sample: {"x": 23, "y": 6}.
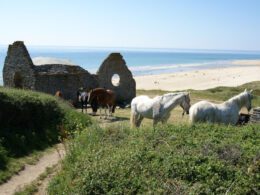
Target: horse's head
{"x": 248, "y": 99}
{"x": 185, "y": 103}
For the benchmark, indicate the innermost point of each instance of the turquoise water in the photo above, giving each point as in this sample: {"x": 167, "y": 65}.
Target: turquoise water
{"x": 142, "y": 62}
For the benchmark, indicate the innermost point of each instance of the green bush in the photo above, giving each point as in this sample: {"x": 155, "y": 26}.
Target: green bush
{"x": 32, "y": 121}
{"x": 172, "y": 159}
{"x": 3, "y": 157}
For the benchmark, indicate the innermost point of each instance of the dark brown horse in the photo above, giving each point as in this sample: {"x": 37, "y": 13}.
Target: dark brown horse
{"x": 102, "y": 98}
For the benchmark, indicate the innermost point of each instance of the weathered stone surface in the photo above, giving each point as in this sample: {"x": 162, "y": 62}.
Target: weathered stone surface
{"x": 20, "y": 72}
{"x": 115, "y": 64}
{"x": 18, "y": 68}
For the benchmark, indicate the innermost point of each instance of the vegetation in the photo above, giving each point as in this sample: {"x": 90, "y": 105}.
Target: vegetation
{"x": 217, "y": 93}
{"x": 172, "y": 159}
{"x": 115, "y": 159}
{"x": 176, "y": 159}
{"x": 32, "y": 121}
{"x": 32, "y": 188}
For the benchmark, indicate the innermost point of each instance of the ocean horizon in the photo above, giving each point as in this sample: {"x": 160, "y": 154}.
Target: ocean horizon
{"x": 139, "y": 61}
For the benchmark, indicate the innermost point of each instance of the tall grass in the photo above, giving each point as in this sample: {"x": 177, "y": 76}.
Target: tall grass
{"x": 174, "y": 159}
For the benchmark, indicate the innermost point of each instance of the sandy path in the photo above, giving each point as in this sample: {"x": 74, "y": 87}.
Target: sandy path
{"x": 31, "y": 172}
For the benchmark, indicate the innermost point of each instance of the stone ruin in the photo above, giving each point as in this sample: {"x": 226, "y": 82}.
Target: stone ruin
{"x": 20, "y": 72}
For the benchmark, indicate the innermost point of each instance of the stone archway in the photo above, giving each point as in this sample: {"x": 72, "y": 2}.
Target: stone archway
{"x": 18, "y": 80}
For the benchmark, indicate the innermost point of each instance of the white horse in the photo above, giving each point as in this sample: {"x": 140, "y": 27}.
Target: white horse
{"x": 157, "y": 108}
{"x": 226, "y": 113}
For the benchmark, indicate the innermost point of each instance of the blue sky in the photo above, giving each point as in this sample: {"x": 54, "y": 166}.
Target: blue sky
{"x": 184, "y": 24}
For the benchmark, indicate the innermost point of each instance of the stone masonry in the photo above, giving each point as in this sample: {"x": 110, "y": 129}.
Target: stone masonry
{"x": 20, "y": 72}
{"x": 115, "y": 64}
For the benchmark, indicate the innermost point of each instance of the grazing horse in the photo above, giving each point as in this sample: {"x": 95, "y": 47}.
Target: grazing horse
{"x": 82, "y": 97}
{"x": 58, "y": 94}
{"x": 158, "y": 108}
{"x": 226, "y": 113}
{"x": 101, "y": 97}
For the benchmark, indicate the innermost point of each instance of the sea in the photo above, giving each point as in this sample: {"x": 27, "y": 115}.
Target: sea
{"x": 139, "y": 61}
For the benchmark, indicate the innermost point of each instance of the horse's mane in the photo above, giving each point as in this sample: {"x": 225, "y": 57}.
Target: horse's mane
{"x": 167, "y": 95}
{"x": 240, "y": 98}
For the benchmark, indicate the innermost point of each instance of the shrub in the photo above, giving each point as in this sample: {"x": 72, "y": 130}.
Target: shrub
{"x": 32, "y": 121}
{"x": 175, "y": 159}
{"x": 3, "y": 157}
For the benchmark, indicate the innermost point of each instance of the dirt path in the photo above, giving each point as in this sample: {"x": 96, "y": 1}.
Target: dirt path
{"x": 31, "y": 172}
{"x": 43, "y": 184}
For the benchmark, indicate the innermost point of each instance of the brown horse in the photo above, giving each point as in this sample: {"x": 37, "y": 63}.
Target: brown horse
{"x": 58, "y": 94}
{"x": 103, "y": 98}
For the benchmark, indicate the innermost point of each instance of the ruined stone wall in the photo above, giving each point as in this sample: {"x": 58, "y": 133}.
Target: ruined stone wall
{"x": 18, "y": 67}
{"x": 115, "y": 64}
{"x": 68, "y": 84}
{"x": 20, "y": 72}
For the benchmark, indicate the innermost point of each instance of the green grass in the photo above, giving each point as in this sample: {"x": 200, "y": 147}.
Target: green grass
{"x": 172, "y": 159}
{"x": 31, "y": 122}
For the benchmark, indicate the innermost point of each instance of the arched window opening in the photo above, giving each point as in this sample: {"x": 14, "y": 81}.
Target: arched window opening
{"x": 18, "y": 80}
{"x": 115, "y": 80}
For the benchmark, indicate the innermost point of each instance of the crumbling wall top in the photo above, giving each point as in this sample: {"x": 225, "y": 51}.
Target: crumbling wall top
{"x": 17, "y": 53}
{"x": 59, "y": 69}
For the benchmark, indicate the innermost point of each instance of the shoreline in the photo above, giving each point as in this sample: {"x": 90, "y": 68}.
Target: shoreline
{"x": 238, "y": 73}
{"x": 243, "y": 71}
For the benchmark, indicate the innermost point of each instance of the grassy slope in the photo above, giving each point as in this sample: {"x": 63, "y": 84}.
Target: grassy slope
{"x": 31, "y": 122}
{"x": 216, "y": 94}
{"x": 171, "y": 159}
{"x": 174, "y": 159}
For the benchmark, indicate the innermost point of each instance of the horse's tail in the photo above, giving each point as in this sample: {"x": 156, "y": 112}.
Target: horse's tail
{"x": 191, "y": 118}
{"x": 194, "y": 115}
{"x": 133, "y": 119}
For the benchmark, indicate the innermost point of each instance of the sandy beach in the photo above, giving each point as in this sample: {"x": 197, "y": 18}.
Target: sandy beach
{"x": 242, "y": 72}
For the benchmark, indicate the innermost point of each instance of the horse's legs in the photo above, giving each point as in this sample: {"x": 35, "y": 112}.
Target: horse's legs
{"x": 133, "y": 118}
{"x": 155, "y": 121}
{"x": 82, "y": 107}
{"x": 106, "y": 112}
{"x": 100, "y": 114}
{"x": 139, "y": 120}
{"x": 108, "y": 115}
{"x": 165, "y": 119}
{"x": 110, "y": 110}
